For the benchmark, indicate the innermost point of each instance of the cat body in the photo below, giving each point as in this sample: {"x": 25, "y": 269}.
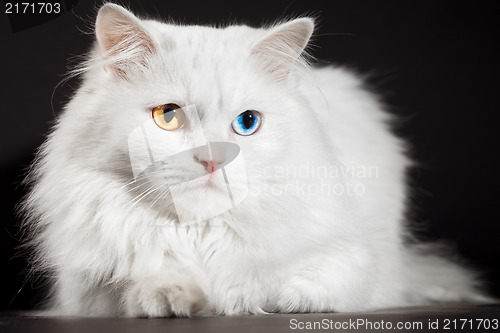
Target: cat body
{"x": 320, "y": 226}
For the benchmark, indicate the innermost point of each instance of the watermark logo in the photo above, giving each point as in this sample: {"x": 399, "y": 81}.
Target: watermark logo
{"x": 204, "y": 178}
{"x": 309, "y": 179}
{"x": 199, "y": 178}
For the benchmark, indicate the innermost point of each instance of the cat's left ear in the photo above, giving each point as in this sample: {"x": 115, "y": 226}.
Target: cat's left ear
{"x": 122, "y": 39}
{"x": 283, "y": 45}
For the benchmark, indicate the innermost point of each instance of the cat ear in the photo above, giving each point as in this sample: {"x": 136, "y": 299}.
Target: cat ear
{"x": 283, "y": 45}
{"x": 122, "y": 40}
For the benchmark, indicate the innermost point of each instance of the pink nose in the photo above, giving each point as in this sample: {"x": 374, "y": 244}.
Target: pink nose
{"x": 210, "y": 165}
{"x": 215, "y": 155}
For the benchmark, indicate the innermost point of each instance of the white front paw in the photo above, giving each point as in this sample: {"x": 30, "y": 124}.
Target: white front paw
{"x": 152, "y": 298}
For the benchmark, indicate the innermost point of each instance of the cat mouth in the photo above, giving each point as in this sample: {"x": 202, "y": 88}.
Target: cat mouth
{"x": 200, "y": 162}
{"x": 201, "y": 182}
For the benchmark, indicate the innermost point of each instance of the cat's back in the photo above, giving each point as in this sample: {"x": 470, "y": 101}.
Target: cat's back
{"x": 358, "y": 128}
{"x": 352, "y": 114}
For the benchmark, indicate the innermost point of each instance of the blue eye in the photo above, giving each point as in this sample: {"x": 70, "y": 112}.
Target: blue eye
{"x": 247, "y": 123}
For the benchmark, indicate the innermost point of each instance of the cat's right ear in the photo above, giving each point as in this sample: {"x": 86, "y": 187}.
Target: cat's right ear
{"x": 122, "y": 40}
{"x": 283, "y": 45}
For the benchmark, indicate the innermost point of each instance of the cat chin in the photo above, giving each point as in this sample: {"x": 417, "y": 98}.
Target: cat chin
{"x": 190, "y": 202}
{"x": 201, "y": 204}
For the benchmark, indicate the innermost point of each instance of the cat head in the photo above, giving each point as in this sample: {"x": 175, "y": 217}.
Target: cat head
{"x": 193, "y": 112}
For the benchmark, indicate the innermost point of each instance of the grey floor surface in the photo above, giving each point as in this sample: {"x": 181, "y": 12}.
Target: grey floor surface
{"x": 442, "y": 318}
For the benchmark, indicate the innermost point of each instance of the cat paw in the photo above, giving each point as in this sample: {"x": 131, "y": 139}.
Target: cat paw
{"x": 153, "y": 300}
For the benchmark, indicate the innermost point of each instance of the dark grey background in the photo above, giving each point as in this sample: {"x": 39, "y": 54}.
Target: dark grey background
{"x": 434, "y": 62}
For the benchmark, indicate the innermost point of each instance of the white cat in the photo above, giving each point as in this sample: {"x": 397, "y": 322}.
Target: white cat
{"x": 201, "y": 170}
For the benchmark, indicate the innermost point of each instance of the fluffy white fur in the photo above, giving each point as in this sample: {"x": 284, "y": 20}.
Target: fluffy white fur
{"x": 114, "y": 248}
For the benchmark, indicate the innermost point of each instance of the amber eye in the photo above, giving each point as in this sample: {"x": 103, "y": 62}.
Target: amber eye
{"x": 169, "y": 116}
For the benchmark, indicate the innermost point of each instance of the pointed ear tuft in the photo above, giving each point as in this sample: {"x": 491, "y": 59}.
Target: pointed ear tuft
{"x": 283, "y": 45}
{"x": 121, "y": 38}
